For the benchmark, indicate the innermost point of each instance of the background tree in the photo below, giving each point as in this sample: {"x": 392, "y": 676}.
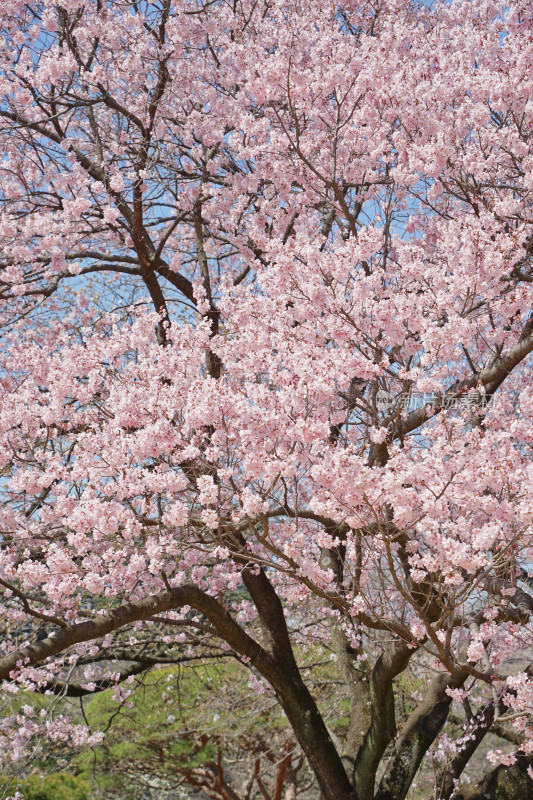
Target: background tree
{"x": 265, "y": 365}
{"x": 172, "y": 733}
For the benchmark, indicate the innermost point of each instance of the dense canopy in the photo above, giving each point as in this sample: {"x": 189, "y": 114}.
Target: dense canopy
{"x": 265, "y": 366}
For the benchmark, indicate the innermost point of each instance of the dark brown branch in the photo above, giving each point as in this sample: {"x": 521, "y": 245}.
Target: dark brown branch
{"x": 294, "y": 696}
{"x": 491, "y": 378}
{"x": 418, "y": 734}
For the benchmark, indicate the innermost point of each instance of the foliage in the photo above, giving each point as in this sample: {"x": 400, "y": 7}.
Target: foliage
{"x": 58, "y": 786}
{"x": 175, "y": 724}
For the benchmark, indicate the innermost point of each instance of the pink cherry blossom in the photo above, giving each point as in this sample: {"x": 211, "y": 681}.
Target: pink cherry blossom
{"x": 266, "y": 313}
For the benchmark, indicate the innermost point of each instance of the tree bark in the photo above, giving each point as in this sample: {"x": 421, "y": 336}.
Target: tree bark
{"x": 418, "y": 734}
{"x": 503, "y": 783}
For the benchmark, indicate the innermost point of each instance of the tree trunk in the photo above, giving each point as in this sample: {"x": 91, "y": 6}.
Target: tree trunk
{"x": 503, "y": 783}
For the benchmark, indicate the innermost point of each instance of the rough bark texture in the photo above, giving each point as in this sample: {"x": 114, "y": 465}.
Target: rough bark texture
{"x": 383, "y": 725}
{"x": 503, "y": 783}
{"x": 418, "y": 734}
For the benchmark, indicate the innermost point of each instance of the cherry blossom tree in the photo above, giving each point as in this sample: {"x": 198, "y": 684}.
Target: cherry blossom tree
{"x": 265, "y": 364}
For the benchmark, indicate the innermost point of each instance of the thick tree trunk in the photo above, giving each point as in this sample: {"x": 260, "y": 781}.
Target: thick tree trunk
{"x": 382, "y": 728}
{"x": 418, "y": 734}
{"x": 314, "y": 739}
{"x": 503, "y": 783}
